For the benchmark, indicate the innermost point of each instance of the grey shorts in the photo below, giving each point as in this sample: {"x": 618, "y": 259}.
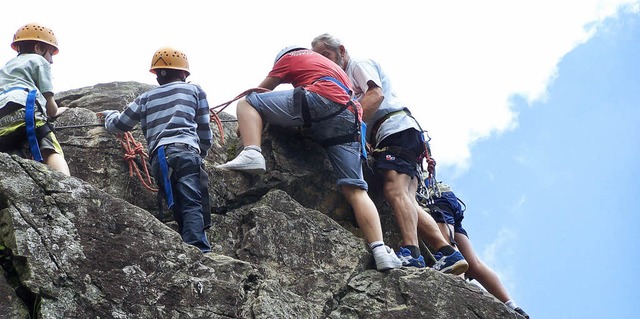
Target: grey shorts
{"x": 278, "y": 108}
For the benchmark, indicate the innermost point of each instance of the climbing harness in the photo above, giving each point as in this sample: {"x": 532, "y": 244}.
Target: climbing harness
{"x": 424, "y": 184}
{"x": 299, "y": 99}
{"x": 30, "y": 122}
{"x": 164, "y": 169}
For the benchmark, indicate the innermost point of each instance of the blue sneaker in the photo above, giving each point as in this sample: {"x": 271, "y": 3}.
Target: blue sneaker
{"x": 407, "y": 260}
{"x": 521, "y": 312}
{"x": 452, "y": 264}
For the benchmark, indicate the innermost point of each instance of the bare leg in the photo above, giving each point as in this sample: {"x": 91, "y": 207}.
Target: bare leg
{"x": 429, "y": 231}
{"x": 249, "y": 123}
{"x": 479, "y": 271}
{"x": 365, "y": 212}
{"x": 397, "y": 193}
{"x": 56, "y": 161}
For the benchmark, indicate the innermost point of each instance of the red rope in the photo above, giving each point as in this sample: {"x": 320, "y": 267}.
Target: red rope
{"x": 132, "y": 149}
{"x": 219, "y": 108}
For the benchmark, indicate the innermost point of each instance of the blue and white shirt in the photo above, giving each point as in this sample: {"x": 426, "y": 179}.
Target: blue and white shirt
{"x": 175, "y": 112}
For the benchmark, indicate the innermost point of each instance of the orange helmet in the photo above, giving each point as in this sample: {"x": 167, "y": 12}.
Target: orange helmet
{"x": 35, "y": 32}
{"x": 169, "y": 58}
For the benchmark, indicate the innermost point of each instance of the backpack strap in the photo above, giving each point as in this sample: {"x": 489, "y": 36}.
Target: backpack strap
{"x": 360, "y": 127}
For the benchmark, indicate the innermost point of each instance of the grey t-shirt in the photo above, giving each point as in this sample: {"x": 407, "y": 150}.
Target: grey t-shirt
{"x": 29, "y": 71}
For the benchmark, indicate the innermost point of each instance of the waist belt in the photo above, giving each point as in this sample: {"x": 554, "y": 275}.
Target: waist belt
{"x": 378, "y": 123}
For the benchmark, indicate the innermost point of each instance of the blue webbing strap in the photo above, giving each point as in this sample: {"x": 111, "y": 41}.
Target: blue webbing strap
{"x": 30, "y": 121}
{"x": 334, "y": 80}
{"x": 363, "y": 139}
{"x": 13, "y": 89}
{"x": 164, "y": 169}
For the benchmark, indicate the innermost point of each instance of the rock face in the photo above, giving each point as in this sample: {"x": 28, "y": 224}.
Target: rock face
{"x": 285, "y": 244}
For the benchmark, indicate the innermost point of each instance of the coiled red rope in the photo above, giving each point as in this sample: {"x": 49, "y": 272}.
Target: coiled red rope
{"x": 133, "y": 149}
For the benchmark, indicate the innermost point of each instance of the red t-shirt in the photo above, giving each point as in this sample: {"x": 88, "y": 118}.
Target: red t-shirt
{"x": 305, "y": 67}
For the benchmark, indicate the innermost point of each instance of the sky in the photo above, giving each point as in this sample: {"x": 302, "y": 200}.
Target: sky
{"x": 532, "y": 107}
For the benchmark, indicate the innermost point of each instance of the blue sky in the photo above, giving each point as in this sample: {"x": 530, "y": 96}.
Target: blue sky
{"x": 532, "y": 107}
{"x": 553, "y": 203}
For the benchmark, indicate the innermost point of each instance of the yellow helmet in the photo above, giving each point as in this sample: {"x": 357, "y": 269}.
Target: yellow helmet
{"x": 169, "y": 58}
{"x": 35, "y": 32}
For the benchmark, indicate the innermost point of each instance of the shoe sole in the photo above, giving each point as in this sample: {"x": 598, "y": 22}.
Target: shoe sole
{"x": 411, "y": 262}
{"x": 250, "y": 170}
{"x": 387, "y": 267}
{"x": 414, "y": 265}
{"x": 458, "y": 268}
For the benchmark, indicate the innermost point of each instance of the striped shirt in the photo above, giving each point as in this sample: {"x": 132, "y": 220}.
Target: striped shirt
{"x": 175, "y": 112}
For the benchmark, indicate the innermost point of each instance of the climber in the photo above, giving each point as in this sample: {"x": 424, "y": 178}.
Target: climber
{"x": 175, "y": 120}
{"x": 321, "y": 102}
{"x": 399, "y": 151}
{"x": 448, "y": 213}
{"x": 25, "y": 88}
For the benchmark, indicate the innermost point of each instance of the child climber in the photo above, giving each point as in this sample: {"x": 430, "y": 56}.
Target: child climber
{"x": 175, "y": 120}
{"x": 26, "y": 97}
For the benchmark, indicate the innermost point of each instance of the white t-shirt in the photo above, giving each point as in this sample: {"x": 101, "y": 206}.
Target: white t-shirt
{"x": 361, "y": 71}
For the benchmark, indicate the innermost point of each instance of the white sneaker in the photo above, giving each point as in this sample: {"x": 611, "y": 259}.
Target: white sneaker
{"x": 386, "y": 258}
{"x": 250, "y": 161}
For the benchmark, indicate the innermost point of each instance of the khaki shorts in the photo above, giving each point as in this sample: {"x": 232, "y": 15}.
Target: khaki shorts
{"x": 47, "y": 142}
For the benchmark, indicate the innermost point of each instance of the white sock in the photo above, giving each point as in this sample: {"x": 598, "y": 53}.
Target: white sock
{"x": 511, "y": 304}
{"x": 376, "y": 245}
{"x": 253, "y": 147}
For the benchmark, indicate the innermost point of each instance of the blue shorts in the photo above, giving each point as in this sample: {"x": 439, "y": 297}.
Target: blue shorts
{"x": 405, "y": 161}
{"x": 278, "y": 108}
{"x": 447, "y": 210}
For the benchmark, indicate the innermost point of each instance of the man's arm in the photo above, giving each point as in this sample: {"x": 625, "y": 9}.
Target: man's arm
{"x": 371, "y": 100}
{"x": 270, "y": 83}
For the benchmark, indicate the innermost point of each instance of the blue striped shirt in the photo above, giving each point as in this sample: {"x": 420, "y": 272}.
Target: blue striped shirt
{"x": 175, "y": 112}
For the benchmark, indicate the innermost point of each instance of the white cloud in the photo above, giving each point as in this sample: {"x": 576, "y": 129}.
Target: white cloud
{"x": 456, "y": 64}
{"x": 479, "y": 56}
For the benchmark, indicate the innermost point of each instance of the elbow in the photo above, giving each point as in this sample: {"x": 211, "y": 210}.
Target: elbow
{"x": 378, "y": 97}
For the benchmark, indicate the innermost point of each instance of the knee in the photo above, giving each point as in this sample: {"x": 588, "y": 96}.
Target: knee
{"x": 392, "y": 191}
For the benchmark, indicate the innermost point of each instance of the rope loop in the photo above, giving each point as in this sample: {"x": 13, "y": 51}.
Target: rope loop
{"x": 132, "y": 149}
{"x": 214, "y": 117}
